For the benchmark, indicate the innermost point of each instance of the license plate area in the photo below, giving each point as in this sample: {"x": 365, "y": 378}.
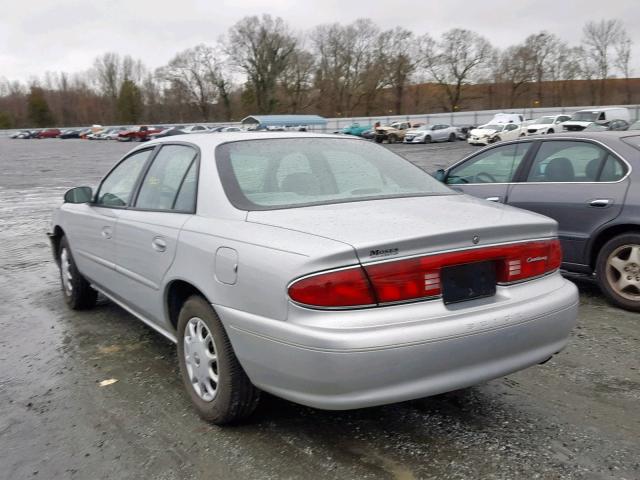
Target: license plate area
{"x": 466, "y": 282}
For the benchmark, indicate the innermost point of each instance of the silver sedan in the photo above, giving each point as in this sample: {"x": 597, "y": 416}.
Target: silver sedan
{"x": 322, "y": 269}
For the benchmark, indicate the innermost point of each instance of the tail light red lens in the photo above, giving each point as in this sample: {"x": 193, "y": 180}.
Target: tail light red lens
{"x": 340, "y": 288}
{"x": 419, "y": 277}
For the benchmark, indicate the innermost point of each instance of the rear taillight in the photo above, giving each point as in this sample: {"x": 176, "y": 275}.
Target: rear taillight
{"x": 419, "y": 277}
{"x": 340, "y": 288}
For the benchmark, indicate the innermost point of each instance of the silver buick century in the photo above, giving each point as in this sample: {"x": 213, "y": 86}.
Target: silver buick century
{"x": 325, "y": 270}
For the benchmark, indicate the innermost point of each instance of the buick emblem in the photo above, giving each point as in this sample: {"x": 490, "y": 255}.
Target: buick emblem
{"x": 475, "y": 239}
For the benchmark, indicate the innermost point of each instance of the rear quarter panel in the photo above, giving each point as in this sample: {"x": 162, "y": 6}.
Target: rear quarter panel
{"x": 269, "y": 258}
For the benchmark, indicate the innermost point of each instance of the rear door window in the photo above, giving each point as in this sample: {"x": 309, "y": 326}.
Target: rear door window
{"x": 572, "y": 161}
{"x": 164, "y": 178}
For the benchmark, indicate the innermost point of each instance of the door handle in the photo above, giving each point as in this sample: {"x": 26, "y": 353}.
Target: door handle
{"x": 599, "y": 202}
{"x": 493, "y": 199}
{"x": 107, "y": 232}
{"x": 159, "y": 244}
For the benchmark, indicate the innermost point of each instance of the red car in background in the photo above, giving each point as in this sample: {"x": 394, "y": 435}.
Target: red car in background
{"x": 140, "y": 134}
{"x": 49, "y": 133}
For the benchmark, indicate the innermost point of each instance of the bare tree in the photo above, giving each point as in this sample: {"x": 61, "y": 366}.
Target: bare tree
{"x": 349, "y": 72}
{"x": 190, "y": 72}
{"x": 455, "y": 61}
{"x": 297, "y": 81}
{"x": 107, "y": 69}
{"x": 540, "y": 48}
{"x": 516, "y": 69}
{"x": 262, "y": 47}
{"x": 600, "y": 39}
{"x": 399, "y": 57}
{"x": 623, "y": 61}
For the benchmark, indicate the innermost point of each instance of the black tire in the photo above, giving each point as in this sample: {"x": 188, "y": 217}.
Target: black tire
{"x": 235, "y": 398}
{"x": 392, "y": 139}
{"x": 80, "y": 295}
{"x": 452, "y": 137}
{"x": 496, "y": 139}
{"x": 550, "y": 131}
{"x": 379, "y": 139}
{"x": 605, "y": 278}
{"x": 427, "y": 139}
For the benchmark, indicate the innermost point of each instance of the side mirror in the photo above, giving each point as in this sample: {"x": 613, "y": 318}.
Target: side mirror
{"x": 440, "y": 175}
{"x": 78, "y": 195}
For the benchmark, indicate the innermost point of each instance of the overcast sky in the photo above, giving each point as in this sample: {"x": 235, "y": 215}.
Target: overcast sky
{"x": 66, "y": 35}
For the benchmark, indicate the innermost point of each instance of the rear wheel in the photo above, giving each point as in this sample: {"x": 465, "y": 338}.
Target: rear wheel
{"x": 392, "y": 139}
{"x": 618, "y": 271}
{"x": 77, "y": 291}
{"x": 452, "y": 137}
{"x": 218, "y": 386}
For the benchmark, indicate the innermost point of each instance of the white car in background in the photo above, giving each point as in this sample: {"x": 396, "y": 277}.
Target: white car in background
{"x": 547, "y": 124}
{"x": 431, "y": 133}
{"x": 495, "y": 132}
{"x": 194, "y": 129}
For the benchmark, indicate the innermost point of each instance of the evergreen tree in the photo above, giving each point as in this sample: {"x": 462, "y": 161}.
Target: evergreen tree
{"x": 5, "y": 120}
{"x": 129, "y": 102}
{"x": 38, "y": 109}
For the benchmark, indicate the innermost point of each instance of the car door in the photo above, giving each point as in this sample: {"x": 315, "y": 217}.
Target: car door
{"x": 439, "y": 133}
{"x": 147, "y": 233}
{"x": 488, "y": 173}
{"x": 580, "y": 184}
{"x": 510, "y": 132}
{"x": 91, "y": 227}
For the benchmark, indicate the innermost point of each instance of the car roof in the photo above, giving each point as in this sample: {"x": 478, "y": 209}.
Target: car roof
{"x": 210, "y": 141}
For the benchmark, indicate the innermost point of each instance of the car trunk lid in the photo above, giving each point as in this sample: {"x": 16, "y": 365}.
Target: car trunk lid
{"x": 402, "y": 227}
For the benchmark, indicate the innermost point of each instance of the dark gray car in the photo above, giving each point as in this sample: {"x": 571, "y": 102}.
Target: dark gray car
{"x": 589, "y": 182}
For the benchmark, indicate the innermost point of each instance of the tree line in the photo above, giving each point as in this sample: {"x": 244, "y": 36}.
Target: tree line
{"x": 263, "y": 66}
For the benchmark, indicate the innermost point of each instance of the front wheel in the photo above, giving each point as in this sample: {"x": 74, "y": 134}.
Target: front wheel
{"x": 218, "y": 386}
{"x": 427, "y": 139}
{"x": 78, "y": 294}
{"x": 618, "y": 271}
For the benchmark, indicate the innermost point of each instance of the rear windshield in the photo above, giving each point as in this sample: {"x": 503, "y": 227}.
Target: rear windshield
{"x": 270, "y": 174}
{"x": 634, "y": 141}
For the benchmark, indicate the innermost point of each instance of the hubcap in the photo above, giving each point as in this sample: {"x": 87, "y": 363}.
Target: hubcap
{"x": 201, "y": 359}
{"x": 623, "y": 271}
{"x": 65, "y": 267}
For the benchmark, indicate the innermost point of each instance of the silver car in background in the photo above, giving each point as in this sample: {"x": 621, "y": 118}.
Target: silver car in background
{"x": 322, "y": 269}
{"x": 431, "y": 133}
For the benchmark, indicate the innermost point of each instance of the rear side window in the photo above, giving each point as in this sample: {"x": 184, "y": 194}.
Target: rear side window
{"x": 165, "y": 177}
{"x": 571, "y": 162}
{"x": 497, "y": 165}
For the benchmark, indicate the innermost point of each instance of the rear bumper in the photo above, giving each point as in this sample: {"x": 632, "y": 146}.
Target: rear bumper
{"x": 359, "y": 359}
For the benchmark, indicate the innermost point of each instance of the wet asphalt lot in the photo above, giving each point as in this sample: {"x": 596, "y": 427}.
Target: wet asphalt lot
{"x": 577, "y": 416}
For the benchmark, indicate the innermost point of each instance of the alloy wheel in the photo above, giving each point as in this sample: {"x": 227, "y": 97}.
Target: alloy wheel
{"x": 623, "y": 271}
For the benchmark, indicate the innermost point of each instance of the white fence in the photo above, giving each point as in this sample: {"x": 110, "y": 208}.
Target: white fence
{"x": 474, "y": 118}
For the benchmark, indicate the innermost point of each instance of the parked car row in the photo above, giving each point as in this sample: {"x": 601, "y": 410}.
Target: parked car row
{"x": 502, "y": 127}
{"x": 139, "y": 133}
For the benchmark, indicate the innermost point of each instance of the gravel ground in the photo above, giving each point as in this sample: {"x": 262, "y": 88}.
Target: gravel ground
{"x": 577, "y": 416}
